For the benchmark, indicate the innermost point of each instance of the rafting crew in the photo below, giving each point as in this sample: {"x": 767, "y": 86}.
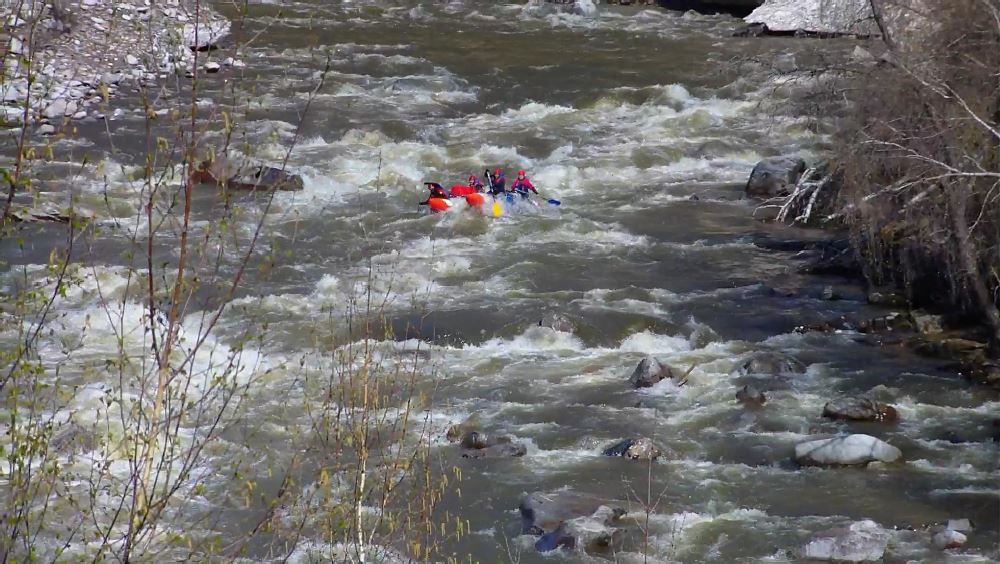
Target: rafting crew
{"x": 522, "y": 185}
{"x": 495, "y": 185}
{"x": 436, "y": 191}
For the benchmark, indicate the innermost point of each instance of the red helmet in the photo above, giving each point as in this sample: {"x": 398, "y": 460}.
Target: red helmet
{"x": 497, "y": 172}
{"x": 520, "y": 173}
{"x": 473, "y": 178}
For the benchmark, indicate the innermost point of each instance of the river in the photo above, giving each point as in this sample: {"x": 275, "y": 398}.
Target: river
{"x": 640, "y": 123}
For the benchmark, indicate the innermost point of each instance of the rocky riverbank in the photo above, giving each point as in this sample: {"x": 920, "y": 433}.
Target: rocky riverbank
{"x": 61, "y": 58}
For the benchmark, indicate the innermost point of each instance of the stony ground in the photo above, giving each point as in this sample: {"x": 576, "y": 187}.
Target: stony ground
{"x": 63, "y": 56}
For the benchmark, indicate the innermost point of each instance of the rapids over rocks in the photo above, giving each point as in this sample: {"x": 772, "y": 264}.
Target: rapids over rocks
{"x": 535, "y": 322}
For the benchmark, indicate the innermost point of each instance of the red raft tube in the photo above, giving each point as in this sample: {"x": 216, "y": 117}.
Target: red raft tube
{"x": 473, "y": 198}
{"x": 438, "y": 205}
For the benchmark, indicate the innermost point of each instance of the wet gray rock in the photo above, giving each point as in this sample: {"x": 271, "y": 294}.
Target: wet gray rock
{"x": 592, "y": 533}
{"x": 850, "y": 450}
{"x": 212, "y": 67}
{"x": 860, "y": 409}
{"x": 751, "y": 397}
{"x": 649, "y": 372}
{"x": 557, "y": 322}
{"x": 635, "y": 449}
{"x": 46, "y": 129}
{"x": 500, "y": 450}
{"x": 585, "y": 8}
{"x": 59, "y": 108}
{"x": 771, "y": 363}
{"x": 774, "y": 177}
{"x": 205, "y": 37}
{"x": 702, "y": 335}
{"x": 946, "y": 539}
{"x": 569, "y": 520}
{"x": 475, "y": 444}
{"x": 863, "y": 541}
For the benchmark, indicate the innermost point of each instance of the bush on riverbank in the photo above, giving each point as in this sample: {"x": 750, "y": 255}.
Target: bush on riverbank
{"x": 922, "y": 156}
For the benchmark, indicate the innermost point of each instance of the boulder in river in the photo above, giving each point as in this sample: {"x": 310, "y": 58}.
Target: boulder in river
{"x": 816, "y": 17}
{"x": 947, "y": 538}
{"x": 237, "y": 174}
{"x": 773, "y": 177}
{"x": 585, "y": 8}
{"x": 771, "y": 363}
{"x": 863, "y": 541}
{"x": 860, "y": 409}
{"x": 635, "y": 449}
{"x": 649, "y": 372}
{"x": 475, "y": 444}
{"x": 569, "y": 520}
{"x": 851, "y": 450}
{"x": 557, "y": 322}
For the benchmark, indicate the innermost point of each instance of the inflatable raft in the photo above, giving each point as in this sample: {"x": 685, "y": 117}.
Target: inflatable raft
{"x": 438, "y": 205}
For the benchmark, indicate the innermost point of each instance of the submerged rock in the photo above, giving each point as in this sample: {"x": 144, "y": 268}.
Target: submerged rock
{"x": 751, "y": 397}
{"x": 649, "y": 372}
{"x": 240, "y": 174}
{"x": 773, "y": 177}
{"x": 568, "y": 520}
{"x": 860, "y": 409}
{"x": 771, "y": 363}
{"x": 863, "y": 541}
{"x": 636, "y": 449}
{"x": 852, "y": 450}
{"x": 557, "y": 322}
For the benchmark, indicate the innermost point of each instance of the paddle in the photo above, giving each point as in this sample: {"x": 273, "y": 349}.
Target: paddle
{"x": 497, "y": 211}
{"x": 552, "y": 201}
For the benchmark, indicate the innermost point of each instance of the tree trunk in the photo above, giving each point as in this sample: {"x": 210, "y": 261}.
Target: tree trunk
{"x": 958, "y": 200}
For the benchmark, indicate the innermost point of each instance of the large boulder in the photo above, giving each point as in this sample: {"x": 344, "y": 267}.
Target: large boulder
{"x": 863, "y": 541}
{"x": 852, "y": 450}
{"x": 774, "y": 177}
{"x": 567, "y": 519}
{"x": 649, "y": 372}
{"x": 823, "y": 17}
{"x": 205, "y": 36}
{"x": 860, "y": 409}
{"x": 591, "y": 533}
{"x": 635, "y": 449}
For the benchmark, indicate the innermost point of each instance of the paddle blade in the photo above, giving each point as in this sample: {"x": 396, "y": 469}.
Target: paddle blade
{"x": 496, "y": 209}
{"x": 554, "y": 202}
